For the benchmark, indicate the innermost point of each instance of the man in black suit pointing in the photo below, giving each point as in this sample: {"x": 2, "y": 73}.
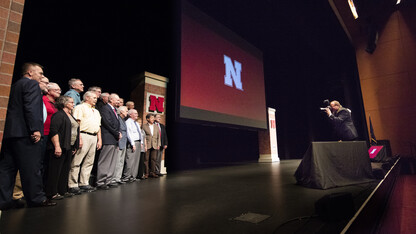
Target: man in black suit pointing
{"x": 21, "y": 140}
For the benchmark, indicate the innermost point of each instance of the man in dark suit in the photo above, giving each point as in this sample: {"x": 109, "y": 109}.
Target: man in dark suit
{"x": 164, "y": 144}
{"x": 341, "y": 121}
{"x": 102, "y": 101}
{"x": 21, "y": 140}
{"x": 110, "y": 134}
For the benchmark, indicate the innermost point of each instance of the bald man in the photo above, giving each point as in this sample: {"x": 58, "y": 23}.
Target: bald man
{"x": 341, "y": 121}
{"x": 110, "y": 128}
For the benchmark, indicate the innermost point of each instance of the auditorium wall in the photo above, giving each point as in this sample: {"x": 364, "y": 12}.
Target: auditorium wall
{"x": 388, "y": 81}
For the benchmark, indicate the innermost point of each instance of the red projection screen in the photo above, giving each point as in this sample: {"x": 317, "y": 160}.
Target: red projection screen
{"x": 222, "y": 78}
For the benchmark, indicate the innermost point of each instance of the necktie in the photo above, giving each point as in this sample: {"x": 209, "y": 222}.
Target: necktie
{"x": 138, "y": 130}
{"x": 114, "y": 109}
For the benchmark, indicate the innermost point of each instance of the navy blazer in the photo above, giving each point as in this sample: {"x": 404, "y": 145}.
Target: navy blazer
{"x": 25, "y": 109}
{"x": 110, "y": 126}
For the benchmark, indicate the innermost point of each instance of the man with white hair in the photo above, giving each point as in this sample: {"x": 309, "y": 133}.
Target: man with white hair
{"x": 107, "y": 160}
{"x": 122, "y": 143}
{"x": 75, "y": 88}
{"x": 130, "y": 105}
{"x": 102, "y": 101}
{"x": 90, "y": 140}
{"x": 95, "y": 89}
{"x": 135, "y": 140}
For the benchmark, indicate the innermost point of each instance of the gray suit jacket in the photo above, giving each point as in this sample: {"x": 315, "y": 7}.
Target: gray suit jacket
{"x": 123, "y": 129}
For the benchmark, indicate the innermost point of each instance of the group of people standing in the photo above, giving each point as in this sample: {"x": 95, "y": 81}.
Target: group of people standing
{"x": 51, "y": 142}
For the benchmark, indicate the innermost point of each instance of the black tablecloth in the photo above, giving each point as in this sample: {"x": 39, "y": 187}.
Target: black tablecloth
{"x": 381, "y": 156}
{"x": 333, "y": 164}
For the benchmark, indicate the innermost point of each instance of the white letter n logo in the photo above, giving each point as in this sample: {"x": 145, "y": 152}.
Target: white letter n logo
{"x": 232, "y": 73}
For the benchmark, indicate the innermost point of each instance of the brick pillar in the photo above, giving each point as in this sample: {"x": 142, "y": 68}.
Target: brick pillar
{"x": 268, "y": 139}
{"x": 151, "y": 87}
{"x": 11, "y": 12}
{"x": 149, "y": 96}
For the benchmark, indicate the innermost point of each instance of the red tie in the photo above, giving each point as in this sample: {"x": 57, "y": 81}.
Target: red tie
{"x": 114, "y": 109}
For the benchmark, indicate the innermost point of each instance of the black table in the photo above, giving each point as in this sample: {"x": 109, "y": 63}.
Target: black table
{"x": 334, "y": 164}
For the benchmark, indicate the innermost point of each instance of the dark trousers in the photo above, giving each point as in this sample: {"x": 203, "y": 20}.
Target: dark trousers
{"x": 159, "y": 160}
{"x": 141, "y": 165}
{"x": 152, "y": 154}
{"x": 23, "y": 155}
{"x": 45, "y": 159}
{"x": 58, "y": 172}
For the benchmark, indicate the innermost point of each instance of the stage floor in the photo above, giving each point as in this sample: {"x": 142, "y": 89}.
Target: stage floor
{"x": 202, "y": 201}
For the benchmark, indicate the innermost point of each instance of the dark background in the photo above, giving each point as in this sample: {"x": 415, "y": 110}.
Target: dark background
{"x": 307, "y": 58}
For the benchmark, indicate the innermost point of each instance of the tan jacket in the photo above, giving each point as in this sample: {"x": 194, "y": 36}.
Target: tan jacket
{"x": 152, "y": 141}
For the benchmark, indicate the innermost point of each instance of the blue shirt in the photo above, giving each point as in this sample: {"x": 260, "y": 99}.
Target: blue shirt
{"x": 74, "y": 95}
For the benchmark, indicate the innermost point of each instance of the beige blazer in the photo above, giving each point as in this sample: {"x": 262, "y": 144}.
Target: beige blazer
{"x": 152, "y": 141}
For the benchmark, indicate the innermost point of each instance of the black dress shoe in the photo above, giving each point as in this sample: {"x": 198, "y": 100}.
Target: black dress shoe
{"x": 121, "y": 182}
{"x": 45, "y": 203}
{"x": 68, "y": 194}
{"x": 19, "y": 203}
{"x": 112, "y": 185}
{"x": 87, "y": 189}
{"x": 103, "y": 187}
{"x": 75, "y": 191}
{"x": 159, "y": 174}
{"x": 7, "y": 206}
{"x": 131, "y": 180}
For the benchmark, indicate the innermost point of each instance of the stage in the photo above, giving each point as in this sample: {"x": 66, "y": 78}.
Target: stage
{"x": 201, "y": 201}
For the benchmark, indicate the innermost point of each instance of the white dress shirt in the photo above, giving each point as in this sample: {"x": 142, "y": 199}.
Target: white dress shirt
{"x": 133, "y": 131}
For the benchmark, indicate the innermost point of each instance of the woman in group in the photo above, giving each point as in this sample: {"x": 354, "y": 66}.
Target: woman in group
{"x": 64, "y": 142}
